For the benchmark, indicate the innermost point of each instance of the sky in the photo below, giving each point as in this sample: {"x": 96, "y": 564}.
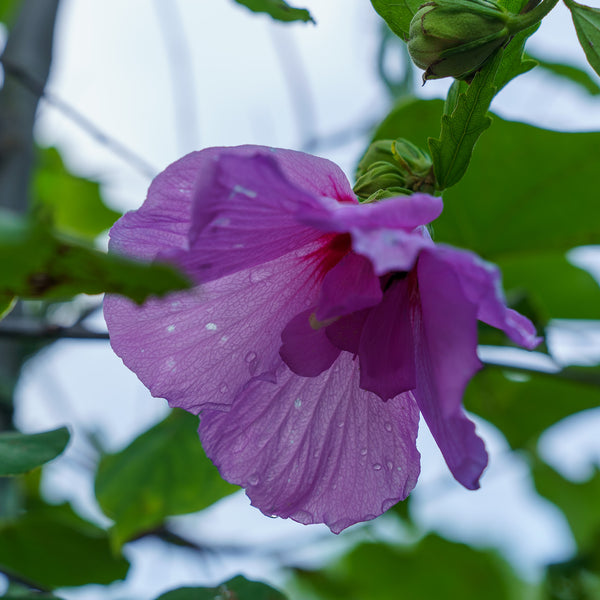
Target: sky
{"x": 165, "y": 78}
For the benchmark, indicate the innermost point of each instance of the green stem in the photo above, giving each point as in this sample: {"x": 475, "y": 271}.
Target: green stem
{"x": 518, "y": 23}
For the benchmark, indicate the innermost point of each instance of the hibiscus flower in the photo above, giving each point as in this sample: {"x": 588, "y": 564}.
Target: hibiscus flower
{"x": 318, "y": 331}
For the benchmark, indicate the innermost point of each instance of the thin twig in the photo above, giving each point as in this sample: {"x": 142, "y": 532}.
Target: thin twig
{"x": 25, "y": 329}
{"x": 31, "y": 83}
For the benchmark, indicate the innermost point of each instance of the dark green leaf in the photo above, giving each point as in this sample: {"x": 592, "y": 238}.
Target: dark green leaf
{"x": 397, "y": 14}
{"x": 434, "y": 568}
{"x": 8, "y": 10}
{"x": 52, "y": 547}
{"x": 39, "y": 264}
{"x": 571, "y": 73}
{"x": 163, "y": 472}
{"x": 587, "y": 24}
{"x": 238, "y": 588}
{"x": 73, "y": 203}
{"x": 469, "y": 118}
{"x": 20, "y": 452}
{"x": 278, "y": 10}
{"x": 523, "y": 406}
{"x": 578, "y": 501}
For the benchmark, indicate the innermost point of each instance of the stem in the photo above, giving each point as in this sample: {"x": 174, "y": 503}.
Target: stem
{"x": 518, "y": 23}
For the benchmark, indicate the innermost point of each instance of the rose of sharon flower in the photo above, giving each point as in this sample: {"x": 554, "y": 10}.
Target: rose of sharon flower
{"x": 318, "y": 330}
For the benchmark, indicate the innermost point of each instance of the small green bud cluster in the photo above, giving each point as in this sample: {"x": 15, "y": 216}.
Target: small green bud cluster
{"x": 454, "y": 38}
{"x": 393, "y": 168}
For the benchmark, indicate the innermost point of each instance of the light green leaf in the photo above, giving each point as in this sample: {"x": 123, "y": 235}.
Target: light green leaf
{"x": 587, "y": 24}
{"x": 278, "y": 10}
{"x": 52, "y": 547}
{"x": 434, "y": 568}
{"x": 37, "y": 263}
{"x": 523, "y": 406}
{"x": 8, "y": 10}
{"x": 569, "y": 72}
{"x": 163, "y": 472}
{"x": 397, "y": 14}
{"x": 238, "y": 588}
{"x": 20, "y": 452}
{"x": 73, "y": 203}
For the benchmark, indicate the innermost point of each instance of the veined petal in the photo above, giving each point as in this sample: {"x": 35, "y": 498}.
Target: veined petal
{"x": 196, "y": 349}
{"x": 386, "y": 351}
{"x": 349, "y": 286}
{"x": 482, "y": 284}
{"x": 306, "y": 350}
{"x": 317, "y": 450}
{"x": 445, "y": 323}
{"x": 401, "y": 212}
{"x": 246, "y": 207}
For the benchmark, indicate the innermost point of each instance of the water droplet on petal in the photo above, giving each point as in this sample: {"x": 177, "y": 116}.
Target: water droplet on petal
{"x": 253, "y": 479}
{"x": 341, "y": 424}
{"x": 250, "y": 357}
{"x": 171, "y": 328}
{"x": 258, "y": 274}
{"x": 390, "y": 465}
{"x": 298, "y": 402}
{"x": 377, "y": 467}
{"x": 388, "y": 426}
{"x": 224, "y": 388}
{"x": 211, "y": 326}
{"x": 398, "y": 469}
{"x": 363, "y": 451}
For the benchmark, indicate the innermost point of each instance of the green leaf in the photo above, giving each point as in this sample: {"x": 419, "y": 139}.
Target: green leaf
{"x": 237, "y": 588}
{"x": 278, "y": 10}
{"x": 434, "y": 568}
{"x": 37, "y": 263}
{"x": 587, "y": 24}
{"x": 52, "y": 547}
{"x": 20, "y": 452}
{"x": 570, "y": 73}
{"x": 578, "y": 501}
{"x": 163, "y": 472}
{"x": 73, "y": 203}
{"x": 8, "y": 10}
{"x": 16, "y": 591}
{"x": 397, "y": 14}
{"x": 523, "y": 406}
{"x": 469, "y": 118}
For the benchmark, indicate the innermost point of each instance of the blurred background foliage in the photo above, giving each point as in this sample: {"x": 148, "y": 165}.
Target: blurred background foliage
{"x": 526, "y": 201}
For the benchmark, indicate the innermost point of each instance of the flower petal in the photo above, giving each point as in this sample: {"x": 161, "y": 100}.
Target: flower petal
{"x": 401, "y": 212}
{"x": 246, "y": 208}
{"x": 196, "y": 349}
{"x": 482, "y": 284}
{"x": 446, "y": 358}
{"x": 305, "y": 350}
{"x": 317, "y": 450}
{"x": 386, "y": 351}
{"x": 349, "y": 286}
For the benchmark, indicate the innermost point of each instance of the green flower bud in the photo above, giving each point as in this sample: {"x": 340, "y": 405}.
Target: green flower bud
{"x": 393, "y": 168}
{"x": 454, "y": 38}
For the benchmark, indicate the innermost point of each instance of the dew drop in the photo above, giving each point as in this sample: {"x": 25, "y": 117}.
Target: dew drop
{"x": 390, "y": 465}
{"x": 377, "y": 467}
{"x": 341, "y": 424}
{"x": 224, "y": 338}
{"x": 170, "y": 363}
{"x": 398, "y": 469}
{"x": 211, "y": 326}
{"x": 171, "y": 328}
{"x": 363, "y": 451}
{"x": 298, "y": 402}
{"x": 257, "y": 275}
{"x": 388, "y": 426}
{"x": 253, "y": 479}
{"x": 250, "y": 357}
{"x": 224, "y": 388}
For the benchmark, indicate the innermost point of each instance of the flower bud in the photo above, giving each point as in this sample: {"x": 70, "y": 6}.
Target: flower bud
{"x": 393, "y": 168}
{"x": 454, "y": 38}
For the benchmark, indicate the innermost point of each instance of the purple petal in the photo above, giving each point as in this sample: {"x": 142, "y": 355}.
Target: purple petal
{"x": 391, "y": 250}
{"x": 197, "y": 348}
{"x": 305, "y": 350}
{"x": 246, "y": 209}
{"x": 386, "y": 351}
{"x": 349, "y": 286}
{"x": 317, "y": 450}
{"x": 345, "y": 333}
{"x": 482, "y": 284}
{"x": 446, "y": 359}
{"x": 402, "y": 212}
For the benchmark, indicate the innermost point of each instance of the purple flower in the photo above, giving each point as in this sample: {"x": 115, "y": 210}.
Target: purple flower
{"x": 318, "y": 331}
